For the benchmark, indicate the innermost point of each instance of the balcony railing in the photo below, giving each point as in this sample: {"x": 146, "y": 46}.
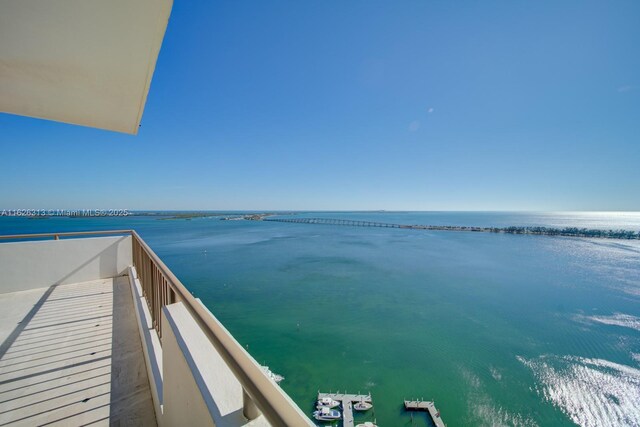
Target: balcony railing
{"x": 161, "y": 287}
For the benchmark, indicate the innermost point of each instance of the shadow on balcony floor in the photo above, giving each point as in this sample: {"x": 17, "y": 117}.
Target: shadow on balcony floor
{"x": 74, "y": 357}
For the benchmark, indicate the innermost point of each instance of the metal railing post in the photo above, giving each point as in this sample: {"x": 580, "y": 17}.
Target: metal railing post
{"x": 249, "y": 408}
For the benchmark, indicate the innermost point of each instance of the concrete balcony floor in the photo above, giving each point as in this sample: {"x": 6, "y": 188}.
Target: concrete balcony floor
{"x": 71, "y": 355}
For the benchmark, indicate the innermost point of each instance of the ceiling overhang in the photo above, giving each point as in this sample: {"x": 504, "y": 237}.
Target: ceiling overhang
{"x": 85, "y": 62}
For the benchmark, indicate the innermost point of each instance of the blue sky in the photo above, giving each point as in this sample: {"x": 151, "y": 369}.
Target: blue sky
{"x": 397, "y": 105}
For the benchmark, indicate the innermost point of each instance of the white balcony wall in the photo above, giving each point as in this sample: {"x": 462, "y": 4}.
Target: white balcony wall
{"x": 39, "y": 264}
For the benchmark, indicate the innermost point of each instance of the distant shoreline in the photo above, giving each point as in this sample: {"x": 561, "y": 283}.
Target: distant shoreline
{"x": 582, "y": 232}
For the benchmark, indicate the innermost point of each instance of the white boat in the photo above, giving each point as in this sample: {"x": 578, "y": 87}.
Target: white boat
{"x": 362, "y": 406}
{"x": 326, "y": 414}
{"x": 275, "y": 377}
{"x": 367, "y": 424}
{"x": 327, "y": 402}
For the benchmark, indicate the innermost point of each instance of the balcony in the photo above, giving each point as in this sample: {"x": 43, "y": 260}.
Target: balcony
{"x": 95, "y": 329}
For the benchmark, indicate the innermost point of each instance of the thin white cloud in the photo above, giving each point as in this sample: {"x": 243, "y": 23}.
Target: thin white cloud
{"x": 430, "y": 110}
{"x": 627, "y": 88}
{"x": 414, "y": 125}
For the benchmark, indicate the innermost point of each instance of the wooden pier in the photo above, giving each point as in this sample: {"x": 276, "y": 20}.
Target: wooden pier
{"x": 425, "y": 405}
{"x": 347, "y": 404}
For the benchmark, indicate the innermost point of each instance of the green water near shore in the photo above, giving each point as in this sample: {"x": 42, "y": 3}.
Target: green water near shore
{"x": 497, "y": 329}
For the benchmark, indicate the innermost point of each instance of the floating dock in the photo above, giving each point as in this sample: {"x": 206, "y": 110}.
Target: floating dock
{"x": 347, "y": 404}
{"x": 425, "y": 405}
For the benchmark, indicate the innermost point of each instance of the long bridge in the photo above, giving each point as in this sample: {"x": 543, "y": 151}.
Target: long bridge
{"x": 535, "y": 230}
{"x": 344, "y": 222}
{"x": 356, "y": 223}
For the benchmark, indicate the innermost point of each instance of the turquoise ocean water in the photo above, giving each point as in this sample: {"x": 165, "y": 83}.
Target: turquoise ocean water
{"x": 498, "y": 329}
